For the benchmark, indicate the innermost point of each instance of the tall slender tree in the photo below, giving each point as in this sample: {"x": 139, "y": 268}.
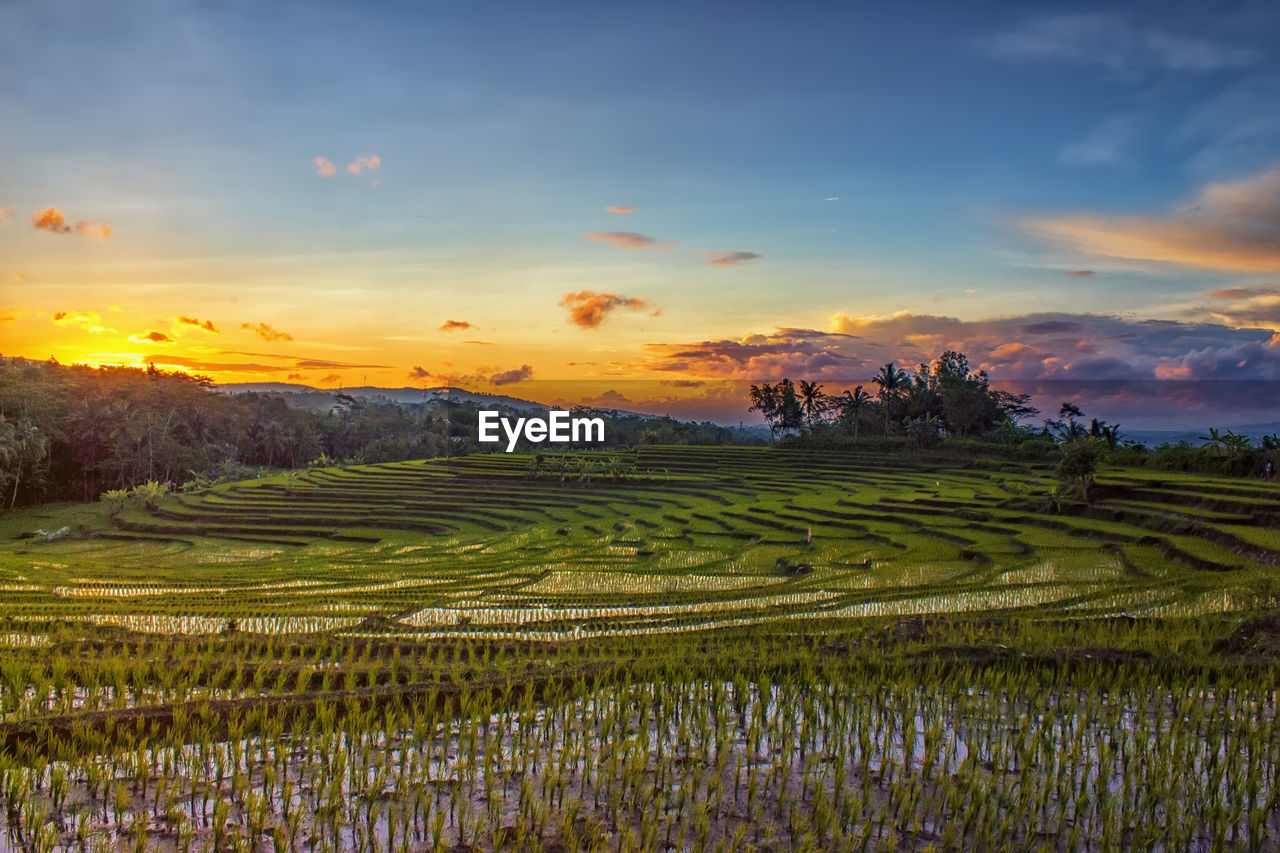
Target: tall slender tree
{"x": 890, "y": 381}
{"x": 851, "y": 405}
{"x": 812, "y": 401}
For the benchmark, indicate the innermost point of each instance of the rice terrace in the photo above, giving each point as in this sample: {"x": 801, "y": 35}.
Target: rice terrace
{"x": 682, "y": 648}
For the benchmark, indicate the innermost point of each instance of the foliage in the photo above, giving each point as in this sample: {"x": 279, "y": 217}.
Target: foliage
{"x": 72, "y": 433}
{"x": 115, "y": 499}
{"x": 1078, "y": 467}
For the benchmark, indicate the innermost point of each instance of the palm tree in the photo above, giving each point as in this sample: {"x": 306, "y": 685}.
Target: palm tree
{"x": 91, "y": 427}
{"x": 1215, "y": 439}
{"x": 811, "y": 400}
{"x": 22, "y": 447}
{"x": 890, "y": 380}
{"x": 852, "y": 406}
{"x": 1109, "y": 433}
{"x": 1236, "y": 444}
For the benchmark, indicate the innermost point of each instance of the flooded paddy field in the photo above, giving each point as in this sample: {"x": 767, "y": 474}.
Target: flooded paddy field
{"x": 728, "y": 648}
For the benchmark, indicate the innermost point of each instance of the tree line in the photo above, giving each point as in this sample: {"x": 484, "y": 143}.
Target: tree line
{"x": 943, "y": 399}
{"x": 948, "y": 402}
{"x": 73, "y": 432}
{"x": 76, "y": 432}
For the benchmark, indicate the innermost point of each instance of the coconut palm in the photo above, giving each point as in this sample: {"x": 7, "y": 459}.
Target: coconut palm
{"x": 812, "y": 400}
{"x": 891, "y": 381}
{"x": 1109, "y": 433}
{"x": 851, "y": 407}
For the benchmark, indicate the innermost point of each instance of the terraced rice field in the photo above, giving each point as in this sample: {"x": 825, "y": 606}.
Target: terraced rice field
{"x": 698, "y": 537}
{"x": 864, "y": 650}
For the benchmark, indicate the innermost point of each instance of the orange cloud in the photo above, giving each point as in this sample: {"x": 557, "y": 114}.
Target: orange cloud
{"x": 51, "y": 219}
{"x": 589, "y": 309}
{"x": 96, "y": 230}
{"x": 267, "y": 333}
{"x": 359, "y": 164}
{"x": 454, "y": 325}
{"x": 6, "y": 213}
{"x": 1247, "y": 307}
{"x": 324, "y": 167}
{"x": 207, "y": 325}
{"x": 151, "y": 338}
{"x": 731, "y": 259}
{"x": 1233, "y": 227}
{"x": 89, "y": 320}
{"x": 296, "y": 365}
{"x": 626, "y": 240}
{"x": 1013, "y": 349}
{"x": 619, "y": 208}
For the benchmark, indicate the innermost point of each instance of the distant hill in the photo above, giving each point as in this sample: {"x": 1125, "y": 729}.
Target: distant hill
{"x": 306, "y": 396}
{"x": 1157, "y": 437}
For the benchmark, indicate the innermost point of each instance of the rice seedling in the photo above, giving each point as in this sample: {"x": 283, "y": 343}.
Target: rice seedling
{"x": 510, "y": 662}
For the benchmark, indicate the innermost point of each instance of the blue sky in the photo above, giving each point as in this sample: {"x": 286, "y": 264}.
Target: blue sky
{"x": 949, "y": 161}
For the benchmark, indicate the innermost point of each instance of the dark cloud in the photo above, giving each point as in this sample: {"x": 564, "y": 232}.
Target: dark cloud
{"x": 331, "y": 378}
{"x": 627, "y": 240}
{"x": 1033, "y": 347}
{"x": 1156, "y": 373}
{"x": 153, "y": 337}
{"x": 588, "y": 309}
{"x": 1051, "y": 327}
{"x": 419, "y": 373}
{"x": 1080, "y": 273}
{"x": 508, "y": 377}
{"x": 731, "y": 259}
{"x": 266, "y": 332}
{"x": 454, "y": 325}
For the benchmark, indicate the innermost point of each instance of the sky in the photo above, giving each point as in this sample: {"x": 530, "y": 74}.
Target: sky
{"x": 649, "y": 196}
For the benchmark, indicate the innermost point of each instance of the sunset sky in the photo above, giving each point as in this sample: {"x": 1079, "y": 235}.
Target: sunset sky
{"x": 491, "y": 194}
